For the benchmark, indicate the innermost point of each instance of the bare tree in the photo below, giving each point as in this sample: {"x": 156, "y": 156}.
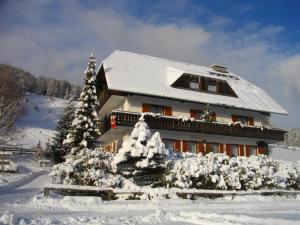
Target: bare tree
{"x": 10, "y": 96}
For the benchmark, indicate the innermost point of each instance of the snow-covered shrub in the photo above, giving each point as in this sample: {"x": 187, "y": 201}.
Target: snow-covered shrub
{"x": 88, "y": 167}
{"x": 142, "y": 157}
{"x": 9, "y": 167}
{"x": 218, "y": 171}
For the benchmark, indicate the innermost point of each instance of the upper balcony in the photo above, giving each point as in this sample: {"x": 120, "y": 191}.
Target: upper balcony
{"x": 129, "y": 119}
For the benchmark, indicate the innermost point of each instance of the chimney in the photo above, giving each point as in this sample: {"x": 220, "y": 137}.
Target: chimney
{"x": 219, "y": 68}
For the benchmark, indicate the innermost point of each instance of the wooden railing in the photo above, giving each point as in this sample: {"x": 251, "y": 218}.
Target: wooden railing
{"x": 171, "y": 123}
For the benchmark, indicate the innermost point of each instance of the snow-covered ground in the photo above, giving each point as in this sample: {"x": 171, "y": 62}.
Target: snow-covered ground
{"x": 39, "y": 120}
{"x": 285, "y": 153}
{"x": 25, "y": 204}
{"x": 28, "y": 168}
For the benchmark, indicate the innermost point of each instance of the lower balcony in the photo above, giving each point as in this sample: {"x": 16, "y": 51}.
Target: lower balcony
{"x": 129, "y": 119}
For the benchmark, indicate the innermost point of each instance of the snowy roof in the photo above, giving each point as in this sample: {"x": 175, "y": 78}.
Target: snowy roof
{"x": 136, "y": 73}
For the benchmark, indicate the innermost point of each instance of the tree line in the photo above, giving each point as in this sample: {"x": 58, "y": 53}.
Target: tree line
{"x": 26, "y": 82}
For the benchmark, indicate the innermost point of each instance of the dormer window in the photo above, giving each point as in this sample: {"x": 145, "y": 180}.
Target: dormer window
{"x": 212, "y": 85}
{"x": 204, "y": 84}
{"x": 194, "y": 82}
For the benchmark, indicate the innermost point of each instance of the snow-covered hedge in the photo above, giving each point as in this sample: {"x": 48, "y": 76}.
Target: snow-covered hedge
{"x": 218, "y": 171}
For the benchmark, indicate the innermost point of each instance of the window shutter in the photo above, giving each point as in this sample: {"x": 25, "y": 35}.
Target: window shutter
{"x": 184, "y": 146}
{"x": 251, "y": 121}
{"x": 208, "y": 148}
{"x": 177, "y": 145}
{"x": 221, "y": 148}
{"x": 260, "y": 150}
{"x": 193, "y": 113}
{"x": 146, "y": 107}
{"x": 247, "y": 150}
{"x": 200, "y": 147}
{"x": 213, "y": 116}
{"x": 234, "y": 118}
{"x": 228, "y": 149}
{"x": 168, "y": 110}
{"x": 241, "y": 150}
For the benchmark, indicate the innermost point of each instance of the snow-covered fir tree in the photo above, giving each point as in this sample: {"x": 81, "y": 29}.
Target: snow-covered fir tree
{"x": 207, "y": 115}
{"x": 85, "y": 165}
{"x": 142, "y": 157}
{"x": 59, "y": 149}
{"x": 84, "y": 129}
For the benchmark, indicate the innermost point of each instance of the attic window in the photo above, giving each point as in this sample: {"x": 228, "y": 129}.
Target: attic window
{"x": 204, "y": 84}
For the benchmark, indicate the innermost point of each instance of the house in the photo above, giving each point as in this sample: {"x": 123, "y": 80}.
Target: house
{"x": 174, "y": 95}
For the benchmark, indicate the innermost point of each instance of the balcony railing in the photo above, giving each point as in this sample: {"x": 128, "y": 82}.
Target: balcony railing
{"x": 171, "y": 123}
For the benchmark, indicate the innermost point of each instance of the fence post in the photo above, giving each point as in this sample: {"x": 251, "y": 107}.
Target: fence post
{"x": 2, "y": 161}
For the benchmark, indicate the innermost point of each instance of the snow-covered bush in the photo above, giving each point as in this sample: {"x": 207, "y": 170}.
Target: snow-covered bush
{"x": 89, "y": 167}
{"x": 142, "y": 157}
{"x": 9, "y": 167}
{"x": 218, "y": 171}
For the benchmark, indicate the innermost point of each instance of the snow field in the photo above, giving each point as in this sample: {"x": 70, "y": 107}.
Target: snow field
{"x": 39, "y": 120}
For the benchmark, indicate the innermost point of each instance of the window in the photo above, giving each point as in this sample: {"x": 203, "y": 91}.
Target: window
{"x": 212, "y": 85}
{"x": 252, "y": 150}
{"x": 214, "y": 147}
{"x": 234, "y": 150}
{"x": 245, "y": 120}
{"x": 157, "y": 109}
{"x": 169, "y": 144}
{"x": 197, "y": 114}
{"x": 194, "y": 82}
{"x": 192, "y": 147}
{"x": 161, "y": 109}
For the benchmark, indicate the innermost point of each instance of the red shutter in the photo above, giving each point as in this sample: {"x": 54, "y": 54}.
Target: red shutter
{"x": 247, "y": 150}
{"x": 177, "y": 145}
{"x": 221, "y": 148}
{"x": 200, "y": 147}
{"x": 213, "y": 116}
{"x": 241, "y": 150}
{"x": 184, "y": 146}
{"x": 234, "y": 118}
{"x": 146, "y": 107}
{"x": 251, "y": 121}
{"x": 193, "y": 113}
{"x": 228, "y": 149}
{"x": 260, "y": 150}
{"x": 208, "y": 148}
{"x": 168, "y": 111}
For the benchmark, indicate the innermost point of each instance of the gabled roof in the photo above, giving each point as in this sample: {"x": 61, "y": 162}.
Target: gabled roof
{"x": 136, "y": 73}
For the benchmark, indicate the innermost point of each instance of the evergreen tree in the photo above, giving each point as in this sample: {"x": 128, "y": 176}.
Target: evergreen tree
{"x": 84, "y": 129}
{"x": 207, "y": 115}
{"x": 142, "y": 157}
{"x": 59, "y": 149}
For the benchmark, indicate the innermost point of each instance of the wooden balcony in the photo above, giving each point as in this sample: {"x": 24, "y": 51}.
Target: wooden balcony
{"x": 129, "y": 119}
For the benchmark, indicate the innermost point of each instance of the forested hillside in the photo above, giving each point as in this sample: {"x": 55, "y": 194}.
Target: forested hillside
{"x": 15, "y": 82}
{"x": 42, "y": 85}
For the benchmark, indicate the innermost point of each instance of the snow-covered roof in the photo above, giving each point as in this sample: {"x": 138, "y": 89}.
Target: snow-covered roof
{"x": 136, "y": 73}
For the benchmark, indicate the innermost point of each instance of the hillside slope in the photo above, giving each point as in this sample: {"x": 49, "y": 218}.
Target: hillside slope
{"x": 39, "y": 120}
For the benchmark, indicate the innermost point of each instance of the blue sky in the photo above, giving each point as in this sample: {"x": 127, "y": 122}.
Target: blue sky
{"x": 258, "y": 40}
